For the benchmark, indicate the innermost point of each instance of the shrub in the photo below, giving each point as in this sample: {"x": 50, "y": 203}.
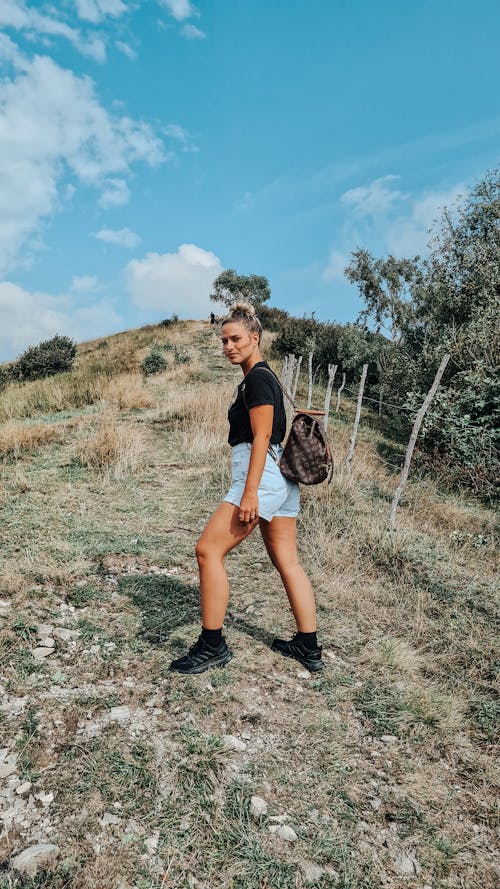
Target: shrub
{"x": 48, "y": 358}
{"x": 181, "y": 356}
{"x": 7, "y": 374}
{"x": 168, "y": 322}
{"x": 154, "y": 362}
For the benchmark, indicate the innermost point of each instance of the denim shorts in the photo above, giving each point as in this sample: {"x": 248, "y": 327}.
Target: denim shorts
{"x": 277, "y": 496}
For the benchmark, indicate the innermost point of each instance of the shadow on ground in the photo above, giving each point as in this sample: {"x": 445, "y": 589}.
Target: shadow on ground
{"x": 167, "y": 604}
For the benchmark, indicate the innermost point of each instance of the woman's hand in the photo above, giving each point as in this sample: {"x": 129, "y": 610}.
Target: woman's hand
{"x": 249, "y": 507}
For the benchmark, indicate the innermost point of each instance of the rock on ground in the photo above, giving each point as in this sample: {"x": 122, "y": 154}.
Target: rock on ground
{"x": 258, "y": 806}
{"x": 35, "y": 858}
{"x": 312, "y": 872}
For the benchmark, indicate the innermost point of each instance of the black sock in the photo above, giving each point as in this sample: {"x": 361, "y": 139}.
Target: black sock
{"x": 308, "y": 639}
{"x": 212, "y": 637}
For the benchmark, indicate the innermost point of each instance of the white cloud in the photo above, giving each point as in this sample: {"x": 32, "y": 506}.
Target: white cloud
{"x": 409, "y": 235}
{"x": 180, "y": 9}
{"x": 30, "y": 317}
{"x": 17, "y": 15}
{"x": 51, "y": 126}
{"x": 95, "y": 10}
{"x": 245, "y": 202}
{"x": 122, "y": 237}
{"x": 84, "y": 284}
{"x": 337, "y": 262}
{"x": 115, "y": 193}
{"x": 174, "y": 282}
{"x": 192, "y": 32}
{"x": 385, "y": 220}
{"x": 374, "y": 199}
{"x": 181, "y": 136}
{"x": 126, "y": 49}
{"x": 175, "y": 131}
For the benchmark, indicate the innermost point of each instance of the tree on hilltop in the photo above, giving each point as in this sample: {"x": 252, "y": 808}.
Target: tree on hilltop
{"x": 229, "y": 287}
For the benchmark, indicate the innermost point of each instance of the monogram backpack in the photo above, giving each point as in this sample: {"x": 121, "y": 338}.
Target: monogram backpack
{"x": 307, "y": 456}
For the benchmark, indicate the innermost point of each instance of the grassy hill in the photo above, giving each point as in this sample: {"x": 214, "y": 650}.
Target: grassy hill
{"x": 381, "y": 768}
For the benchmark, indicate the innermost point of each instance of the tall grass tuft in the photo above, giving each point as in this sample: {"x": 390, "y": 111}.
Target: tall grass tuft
{"x": 16, "y": 437}
{"x": 127, "y": 392}
{"x": 112, "y": 448}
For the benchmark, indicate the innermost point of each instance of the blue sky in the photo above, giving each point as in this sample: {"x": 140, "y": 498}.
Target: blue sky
{"x": 145, "y": 146}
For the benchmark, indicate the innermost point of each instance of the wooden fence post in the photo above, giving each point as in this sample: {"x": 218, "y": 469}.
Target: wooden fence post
{"x": 310, "y": 389}
{"x": 413, "y": 438}
{"x": 284, "y": 369}
{"x": 297, "y": 373}
{"x": 356, "y": 418}
{"x": 339, "y": 391}
{"x": 332, "y": 370}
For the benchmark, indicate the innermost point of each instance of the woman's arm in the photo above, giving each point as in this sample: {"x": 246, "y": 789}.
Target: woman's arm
{"x": 261, "y": 421}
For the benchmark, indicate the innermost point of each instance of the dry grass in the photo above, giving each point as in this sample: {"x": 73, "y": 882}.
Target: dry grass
{"x": 18, "y": 437}
{"x": 96, "y": 364}
{"x": 112, "y": 448}
{"x": 127, "y": 392}
{"x": 389, "y": 750}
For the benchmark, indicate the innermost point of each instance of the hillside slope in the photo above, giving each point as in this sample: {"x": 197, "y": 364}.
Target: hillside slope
{"x": 377, "y": 773}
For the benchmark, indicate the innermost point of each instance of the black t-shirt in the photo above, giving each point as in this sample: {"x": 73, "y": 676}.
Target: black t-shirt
{"x": 260, "y": 387}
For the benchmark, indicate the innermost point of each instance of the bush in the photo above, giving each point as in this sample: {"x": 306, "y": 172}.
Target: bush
{"x": 48, "y": 358}
{"x": 7, "y": 375}
{"x": 272, "y": 318}
{"x": 181, "y": 356}
{"x": 168, "y": 322}
{"x": 154, "y": 362}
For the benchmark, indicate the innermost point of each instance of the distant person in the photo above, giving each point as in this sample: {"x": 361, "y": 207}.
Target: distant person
{"x": 259, "y": 495}
{"x": 212, "y": 319}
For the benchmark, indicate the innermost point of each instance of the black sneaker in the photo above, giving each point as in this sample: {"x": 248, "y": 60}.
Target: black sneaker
{"x": 201, "y": 656}
{"x": 310, "y": 658}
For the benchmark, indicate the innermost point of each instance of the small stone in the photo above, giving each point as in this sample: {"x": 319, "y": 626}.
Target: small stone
{"x": 247, "y": 736}
{"x": 40, "y": 653}
{"x": 24, "y": 788}
{"x": 312, "y": 872}
{"x": 119, "y": 714}
{"x": 47, "y": 642}
{"x": 258, "y": 806}
{"x": 45, "y": 798}
{"x": 389, "y": 739}
{"x": 44, "y": 630}
{"x": 109, "y": 820}
{"x": 6, "y": 769}
{"x": 285, "y": 832}
{"x": 279, "y": 819}
{"x": 303, "y": 674}
{"x": 375, "y": 804}
{"x": 35, "y": 858}
{"x": 231, "y": 742}
{"x": 151, "y": 844}
{"x": 65, "y": 635}
{"x": 406, "y": 864}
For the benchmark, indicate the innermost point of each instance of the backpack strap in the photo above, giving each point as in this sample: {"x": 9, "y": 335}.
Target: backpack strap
{"x": 270, "y": 449}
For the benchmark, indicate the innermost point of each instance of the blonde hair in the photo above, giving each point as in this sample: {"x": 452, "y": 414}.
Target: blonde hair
{"x": 246, "y": 314}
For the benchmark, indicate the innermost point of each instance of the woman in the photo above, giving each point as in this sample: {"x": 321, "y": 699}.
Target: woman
{"x": 259, "y": 495}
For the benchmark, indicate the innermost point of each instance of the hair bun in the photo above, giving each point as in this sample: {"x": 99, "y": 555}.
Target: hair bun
{"x": 243, "y": 308}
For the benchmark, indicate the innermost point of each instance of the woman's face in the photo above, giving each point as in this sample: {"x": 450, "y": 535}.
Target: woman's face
{"x": 238, "y": 344}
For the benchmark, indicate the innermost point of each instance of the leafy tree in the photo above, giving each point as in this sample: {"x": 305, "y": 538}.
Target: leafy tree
{"x": 230, "y": 287}
{"x": 448, "y": 303}
{"x": 386, "y": 286}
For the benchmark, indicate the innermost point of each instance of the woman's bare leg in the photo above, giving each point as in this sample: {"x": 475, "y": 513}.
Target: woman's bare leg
{"x": 222, "y": 533}
{"x": 280, "y": 538}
